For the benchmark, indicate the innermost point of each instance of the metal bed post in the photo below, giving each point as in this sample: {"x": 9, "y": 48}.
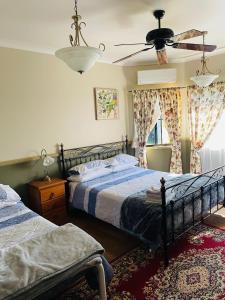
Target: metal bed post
{"x": 62, "y": 160}
{"x": 224, "y": 191}
{"x": 202, "y": 202}
{"x": 164, "y": 222}
{"x": 126, "y": 143}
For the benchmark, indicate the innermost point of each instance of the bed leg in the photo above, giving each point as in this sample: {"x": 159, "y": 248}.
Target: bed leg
{"x": 164, "y": 222}
{"x": 101, "y": 280}
{"x": 126, "y": 143}
{"x": 224, "y": 191}
{"x": 97, "y": 263}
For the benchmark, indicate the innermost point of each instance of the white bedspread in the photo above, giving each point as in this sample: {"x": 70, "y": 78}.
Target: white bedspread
{"x": 40, "y": 258}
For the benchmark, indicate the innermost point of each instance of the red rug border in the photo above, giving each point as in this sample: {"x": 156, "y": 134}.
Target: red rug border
{"x": 114, "y": 260}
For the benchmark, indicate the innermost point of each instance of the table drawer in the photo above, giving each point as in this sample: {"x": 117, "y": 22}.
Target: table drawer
{"x": 53, "y": 204}
{"x": 51, "y": 193}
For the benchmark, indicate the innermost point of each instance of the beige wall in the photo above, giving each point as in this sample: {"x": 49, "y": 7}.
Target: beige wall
{"x": 43, "y": 103}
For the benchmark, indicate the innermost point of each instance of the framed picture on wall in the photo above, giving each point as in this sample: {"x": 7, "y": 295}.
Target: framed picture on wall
{"x": 106, "y": 104}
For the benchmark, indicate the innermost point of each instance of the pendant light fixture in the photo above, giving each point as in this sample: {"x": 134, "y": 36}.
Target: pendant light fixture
{"x": 204, "y": 77}
{"x": 79, "y": 58}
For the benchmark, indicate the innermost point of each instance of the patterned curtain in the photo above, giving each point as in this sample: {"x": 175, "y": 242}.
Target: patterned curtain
{"x": 170, "y": 105}
{"x": 205, "y": 107}
{"x": 144, "y": 103}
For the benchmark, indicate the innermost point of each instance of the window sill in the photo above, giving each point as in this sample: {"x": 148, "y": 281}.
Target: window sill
{"x": 159, "y": 145}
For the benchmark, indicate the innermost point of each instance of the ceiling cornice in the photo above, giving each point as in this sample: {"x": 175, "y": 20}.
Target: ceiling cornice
{"x": 179, "y": 60}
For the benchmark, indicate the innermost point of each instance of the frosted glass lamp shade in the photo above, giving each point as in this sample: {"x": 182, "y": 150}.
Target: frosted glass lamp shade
{"x": 48, "y": 161}
{"x": 204, "y": 79}
{"x": 79, "y": 58}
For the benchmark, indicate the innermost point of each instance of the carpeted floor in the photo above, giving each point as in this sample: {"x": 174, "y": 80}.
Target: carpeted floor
{"x": 196, "y": 271}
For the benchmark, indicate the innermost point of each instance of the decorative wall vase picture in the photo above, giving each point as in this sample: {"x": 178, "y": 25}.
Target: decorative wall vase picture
{"x": 106, "y": 104}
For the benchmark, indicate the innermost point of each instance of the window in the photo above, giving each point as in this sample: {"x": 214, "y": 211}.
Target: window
{"x": 159, "y": 134}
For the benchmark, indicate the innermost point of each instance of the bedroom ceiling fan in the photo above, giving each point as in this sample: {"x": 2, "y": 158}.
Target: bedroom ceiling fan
{"x": 161, "y": 37}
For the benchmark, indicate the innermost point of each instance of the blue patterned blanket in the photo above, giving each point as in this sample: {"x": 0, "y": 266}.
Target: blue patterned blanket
{"x": 18, "y": 223}
{"x": 16, "y": 214}
{"x": 120, "y": 199}
{"x": 144, "y": 219}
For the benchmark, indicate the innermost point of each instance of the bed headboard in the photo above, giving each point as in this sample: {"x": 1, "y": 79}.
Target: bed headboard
{"x": 76, "y": 156}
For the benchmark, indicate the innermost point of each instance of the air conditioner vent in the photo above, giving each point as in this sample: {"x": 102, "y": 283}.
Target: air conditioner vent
{"x": 156, "y": 76}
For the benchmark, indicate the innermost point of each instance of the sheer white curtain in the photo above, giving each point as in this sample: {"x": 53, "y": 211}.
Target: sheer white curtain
{"x": 212, "y": 154}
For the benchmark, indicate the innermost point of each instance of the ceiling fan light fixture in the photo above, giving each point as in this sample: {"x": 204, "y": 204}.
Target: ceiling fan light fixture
{"x": 79, "y": 58}
{"x": 204, "y": 77}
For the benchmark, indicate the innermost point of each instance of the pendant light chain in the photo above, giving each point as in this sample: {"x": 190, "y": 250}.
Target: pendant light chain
{"x": 75, "y": 7}
{"x": 77, "y": 27}
{"x": 203, "y": 57}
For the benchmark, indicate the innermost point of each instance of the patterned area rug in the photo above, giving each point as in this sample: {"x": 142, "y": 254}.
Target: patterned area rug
{"x": 196, "y": 272}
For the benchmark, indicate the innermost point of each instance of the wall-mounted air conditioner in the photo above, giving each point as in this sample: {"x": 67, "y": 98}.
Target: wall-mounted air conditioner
{"x": 156, "y": 76}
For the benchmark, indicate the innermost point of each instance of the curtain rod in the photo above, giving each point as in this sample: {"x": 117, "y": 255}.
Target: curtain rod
{"x": 177, "y": 87}
{"x": 174, "y": 87}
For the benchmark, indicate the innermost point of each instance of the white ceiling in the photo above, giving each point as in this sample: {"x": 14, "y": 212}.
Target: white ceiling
{"x": 44, "y": 26}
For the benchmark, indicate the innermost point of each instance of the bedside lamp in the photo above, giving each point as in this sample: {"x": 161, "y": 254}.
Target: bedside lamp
{"x": 47, "y": 161}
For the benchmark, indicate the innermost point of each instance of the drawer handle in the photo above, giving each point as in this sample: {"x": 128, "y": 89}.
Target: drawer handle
{"x": 52, "y": 195}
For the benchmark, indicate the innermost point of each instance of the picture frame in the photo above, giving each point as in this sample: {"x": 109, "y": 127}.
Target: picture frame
{"x": 106, "y": 104}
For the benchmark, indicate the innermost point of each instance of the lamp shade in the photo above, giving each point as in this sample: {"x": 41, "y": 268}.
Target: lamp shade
{"x": 79, "y": 58}
{"x": 204, "y": 79}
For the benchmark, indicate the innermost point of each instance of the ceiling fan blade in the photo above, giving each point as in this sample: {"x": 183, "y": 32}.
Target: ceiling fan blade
{"x": 130, "y": 44}
{"x": 133, "y": 54}
{"x": 195, "y": 47}
{"x": 187, "y": 35}
{"x": 162, "y": 56}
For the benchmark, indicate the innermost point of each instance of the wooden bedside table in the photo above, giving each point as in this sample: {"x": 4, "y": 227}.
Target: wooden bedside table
{"x": 48, "y": 199}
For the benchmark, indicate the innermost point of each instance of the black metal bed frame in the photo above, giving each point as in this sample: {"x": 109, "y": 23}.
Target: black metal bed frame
{"x": 76, "y": 156}
{"x": 181, "y": 190}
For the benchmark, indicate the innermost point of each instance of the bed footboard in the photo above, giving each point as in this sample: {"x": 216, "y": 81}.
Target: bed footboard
{"x": 188, "y": 203}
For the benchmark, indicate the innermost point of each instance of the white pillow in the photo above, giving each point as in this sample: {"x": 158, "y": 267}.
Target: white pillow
{"x": 122, "y": 167}
{"x": 120, "y": 159}
{"x": 95, "y": 173}
{"x": 87, "y": 167}
{"x": 7, "y": 194}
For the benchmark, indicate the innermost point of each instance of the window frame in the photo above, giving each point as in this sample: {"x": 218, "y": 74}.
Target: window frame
{"x": 156, "y": 135}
